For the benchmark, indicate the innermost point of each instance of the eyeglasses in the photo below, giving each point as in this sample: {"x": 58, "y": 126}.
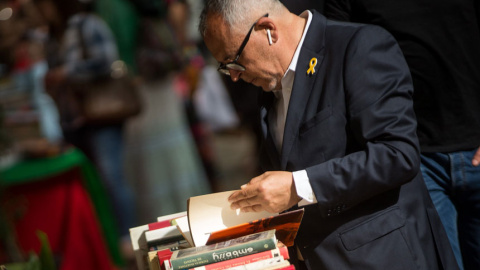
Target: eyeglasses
{"x": 225, "y": 68}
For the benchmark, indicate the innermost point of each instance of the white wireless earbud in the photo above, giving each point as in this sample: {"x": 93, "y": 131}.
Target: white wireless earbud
{"x": 269, "y": 37}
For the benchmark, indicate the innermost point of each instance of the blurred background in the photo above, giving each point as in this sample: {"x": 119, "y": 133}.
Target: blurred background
{"x": 70, "y": 188}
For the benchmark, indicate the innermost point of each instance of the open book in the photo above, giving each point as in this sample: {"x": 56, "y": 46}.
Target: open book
{"x": 210, "y": 220}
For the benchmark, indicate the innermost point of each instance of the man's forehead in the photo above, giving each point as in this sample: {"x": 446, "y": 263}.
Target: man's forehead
{"x": 219, "y": 38}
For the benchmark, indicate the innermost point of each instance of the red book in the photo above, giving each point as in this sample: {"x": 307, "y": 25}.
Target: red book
{"x": 281, "y": 250}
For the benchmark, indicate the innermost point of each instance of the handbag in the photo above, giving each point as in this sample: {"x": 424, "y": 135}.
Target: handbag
{"x": 106, "y": 99}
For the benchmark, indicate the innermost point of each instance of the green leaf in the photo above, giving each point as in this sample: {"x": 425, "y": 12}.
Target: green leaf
{"x": 46, "y": 256}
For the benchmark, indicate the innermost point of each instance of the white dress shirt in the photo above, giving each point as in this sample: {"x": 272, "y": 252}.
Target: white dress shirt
{"x": 278, "y": 118}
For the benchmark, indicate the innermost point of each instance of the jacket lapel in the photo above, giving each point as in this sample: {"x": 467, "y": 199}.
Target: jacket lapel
{"x": 311, "y": 53}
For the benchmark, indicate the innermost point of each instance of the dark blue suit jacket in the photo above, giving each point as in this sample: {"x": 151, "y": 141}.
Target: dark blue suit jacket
{"x": 351, "y": 126}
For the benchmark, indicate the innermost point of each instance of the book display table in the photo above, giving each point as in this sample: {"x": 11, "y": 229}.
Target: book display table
{"x": 63, "y": 197}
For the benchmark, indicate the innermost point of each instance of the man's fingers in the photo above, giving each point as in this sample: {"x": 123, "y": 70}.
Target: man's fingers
{"x": 237, "y": 195}
{"x": 253, "y": 208}
{"x": 244, "y": 203}
{"x": 245, "y": 192}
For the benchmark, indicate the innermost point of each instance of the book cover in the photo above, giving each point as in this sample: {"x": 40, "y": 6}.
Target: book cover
{"x": 280, "y": 251}
{"x": 230, "y": 249}
{"x": 285, "y": 224}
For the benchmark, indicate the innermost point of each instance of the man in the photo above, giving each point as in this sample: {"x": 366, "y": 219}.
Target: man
{"x": 339, "y": 135}
{"x": 440, "y": 40}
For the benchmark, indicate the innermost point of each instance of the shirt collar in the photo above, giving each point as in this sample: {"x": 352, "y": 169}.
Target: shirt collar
{"x": 287, "y": 80}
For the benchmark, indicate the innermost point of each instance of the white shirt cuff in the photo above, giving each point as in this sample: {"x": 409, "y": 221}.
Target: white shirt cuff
{"x": 303, "y": 187}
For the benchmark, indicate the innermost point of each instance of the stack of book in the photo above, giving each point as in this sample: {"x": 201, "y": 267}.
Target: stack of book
{"x": 250, "y": 252}
{"x": 159, "y": 235}
{"x": 209, "y": 235}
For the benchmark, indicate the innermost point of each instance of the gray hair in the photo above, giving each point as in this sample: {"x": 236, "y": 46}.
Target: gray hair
{"x": 238, "y": 14}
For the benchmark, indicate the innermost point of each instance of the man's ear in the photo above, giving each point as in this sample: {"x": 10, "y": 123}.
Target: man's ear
{"x": 270, "y": 29}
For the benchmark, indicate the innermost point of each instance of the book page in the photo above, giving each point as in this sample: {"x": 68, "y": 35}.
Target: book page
{"x": 211, "y": 212}
{"x": 184, "y": 228}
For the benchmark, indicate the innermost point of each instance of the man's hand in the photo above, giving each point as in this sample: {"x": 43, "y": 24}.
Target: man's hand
{"x": 476, "y": 158}
{"x": 272, "y": 191}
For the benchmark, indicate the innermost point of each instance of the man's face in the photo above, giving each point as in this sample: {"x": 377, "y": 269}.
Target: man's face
{"x": 224, "y": 45}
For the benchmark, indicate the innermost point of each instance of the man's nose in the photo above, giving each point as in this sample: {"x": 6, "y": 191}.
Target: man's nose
{"x": 235, "y": 75}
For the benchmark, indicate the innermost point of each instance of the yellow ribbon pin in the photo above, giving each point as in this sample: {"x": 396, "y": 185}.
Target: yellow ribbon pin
{"x": 313, "y": 64}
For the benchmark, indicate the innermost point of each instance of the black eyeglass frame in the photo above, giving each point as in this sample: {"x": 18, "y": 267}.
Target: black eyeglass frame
{"x": 225, "y": 68}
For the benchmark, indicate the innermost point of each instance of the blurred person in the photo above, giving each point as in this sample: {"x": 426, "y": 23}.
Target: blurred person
{"x": 339, "y": 136}
{"x": 187, "y": 82}
{"x": 123, "y": 19}
{"x": 161, "y": 154}
{"x": 24, "y": 36}
{"x": 48, "y": 113}
{"x": 16, "y": 18}
{"x": 440, "y": 40}
{"x": 103, "y": 144}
